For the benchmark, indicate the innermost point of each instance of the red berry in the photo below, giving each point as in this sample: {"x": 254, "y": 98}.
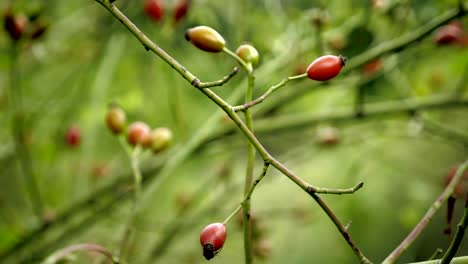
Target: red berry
{"x": 154, "y": 9}
{"x": 73, "y": 136}
{"x": 180, "y": 10}
{"x": 15, "y": 25}
{"x": 448, "y": 34}
{"x": 372, "y": 67}
{"x": 325, "y": 67}
{"x": 212, "y": 239}
{"x": 138, "y": 133}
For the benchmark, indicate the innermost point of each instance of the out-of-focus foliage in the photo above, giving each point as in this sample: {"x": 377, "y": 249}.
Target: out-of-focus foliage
{"x": 86, "y": 59}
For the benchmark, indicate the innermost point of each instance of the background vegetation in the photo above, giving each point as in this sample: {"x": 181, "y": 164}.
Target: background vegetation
{"x": 87, "y": 59}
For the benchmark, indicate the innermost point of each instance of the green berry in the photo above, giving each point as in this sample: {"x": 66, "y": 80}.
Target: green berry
{"x": 248, "y": 54}
{"x": 161, "y": 139}
{"x": 116, "y": 119}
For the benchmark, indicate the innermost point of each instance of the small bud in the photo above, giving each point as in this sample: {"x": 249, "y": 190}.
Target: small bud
{"x": 205, "y": 38}
{"x": 248, "y": 54}
{"x": 116, "y": 119}
{"x": 161, "y": 139}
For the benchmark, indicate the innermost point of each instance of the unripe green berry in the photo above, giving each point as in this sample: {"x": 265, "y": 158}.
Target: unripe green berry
{"x": 205, "y": 38}
{"x": 248, "y": 54}
{"x": 161, "y": 139}
{"x": 116, "y": 119}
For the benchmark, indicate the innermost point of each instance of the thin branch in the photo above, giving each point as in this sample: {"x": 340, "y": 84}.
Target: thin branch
{"x": 436, "y": 254}
{"x": 224, "y": 80}
{"x": 65, "y": 252}
{"x": 457, "y": 239}
{"x": 459, "y": 260}
{"x": 427, "y": 217}
{"x": 336, "y": 191}
{"x": 133, "y": 157}
{"x": 268, "y": 92}
{"x": 341, "y": 228}
{"x": 249, "y": 193}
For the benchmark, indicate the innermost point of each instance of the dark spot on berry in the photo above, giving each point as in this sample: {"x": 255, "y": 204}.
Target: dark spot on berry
{"x": 208, "y": 251}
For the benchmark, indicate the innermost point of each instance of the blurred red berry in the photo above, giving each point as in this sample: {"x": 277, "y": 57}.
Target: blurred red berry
{"x": 448, "y": 34}
{"x": 154, "y": 9}
{"x": 180, "y": 10}
{"x": 372, "y": 67}
{"x": 212, "y": 239}
{"x": 460, "y": 189}
{"x": 73, "y": 136}
{"x": 15, "y": 25}
{"x": 139, "y": 133}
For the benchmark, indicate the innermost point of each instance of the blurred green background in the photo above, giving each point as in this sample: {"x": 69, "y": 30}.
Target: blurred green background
{"x": 86, "y": 59}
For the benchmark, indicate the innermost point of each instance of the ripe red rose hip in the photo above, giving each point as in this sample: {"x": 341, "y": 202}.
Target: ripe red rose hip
{"x": 326, "y": 67}
{"x": 212, "y": 239}
{"x": 138, "y": 133}
{"x": 73, "y": 136}
{"x": 154, "y": 9}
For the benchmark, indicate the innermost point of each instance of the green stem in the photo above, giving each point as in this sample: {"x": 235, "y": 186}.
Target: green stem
{"x": 248, "y": 174}
{"x": 459, "y": 260}
{"x": 18, "y": 116}
{"x": 436, "y": 254}
{"x": 65, "y": 252}
{"x": 133, "y": 157}
{"x": 395, "y": 255}
{"x": 247, "y": 223}
{"x": 457, "y": 239}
